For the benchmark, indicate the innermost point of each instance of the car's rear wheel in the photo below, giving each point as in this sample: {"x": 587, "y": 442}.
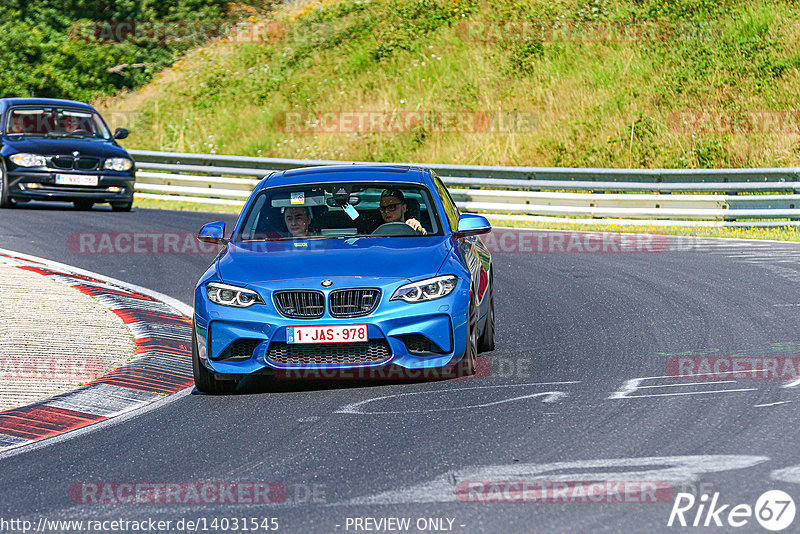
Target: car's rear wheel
{"x": 466, "y": 366}
{"x": 121, "y": 206}
{"x": 5, "y": 200}
{"x": 83, "y": 205}
{"x": 486, "y": 341}
{"x": 204, "y": 380}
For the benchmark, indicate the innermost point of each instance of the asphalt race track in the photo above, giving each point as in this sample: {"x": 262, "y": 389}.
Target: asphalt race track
{"x": 577, "y": 390}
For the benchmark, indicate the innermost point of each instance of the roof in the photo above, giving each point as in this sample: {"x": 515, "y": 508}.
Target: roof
{"x": 346, "y": 173}
{"x": 32, "y": 101}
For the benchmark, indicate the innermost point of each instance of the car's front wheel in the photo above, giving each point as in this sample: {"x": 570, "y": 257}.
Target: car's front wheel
{"x": 5, "y": 199}
{"x": 466, "y": 366}
{"x": 204, "y": 380}
{"x": 121, "y": 206}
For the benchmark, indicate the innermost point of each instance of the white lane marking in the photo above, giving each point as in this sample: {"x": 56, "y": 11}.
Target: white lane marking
{"x": 686, "y": 393}
{"x": 792, "y": 384}
{"x": 551, "y": 396}
{"x": 633, "y": 385}
{"x": 771, "y": 404}
{"x": 787, "y": 474}
{"x": 670, "y": 469}
{"x": 688, "y": 384}
{"x": 185, "y": 309}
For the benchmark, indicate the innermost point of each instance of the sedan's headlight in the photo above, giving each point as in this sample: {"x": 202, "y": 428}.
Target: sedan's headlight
{"x": 118, "y": 164}
{"x": 28, "y": 160}
{"x": 424, "y": 290}
{"x": 226, "y": 295}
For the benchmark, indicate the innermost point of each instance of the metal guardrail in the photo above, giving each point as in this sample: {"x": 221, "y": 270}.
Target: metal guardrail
{"x": 668, "y": 195}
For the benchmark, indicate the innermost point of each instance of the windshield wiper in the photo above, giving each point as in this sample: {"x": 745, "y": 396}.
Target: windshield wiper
{"x": 84, "y": 135}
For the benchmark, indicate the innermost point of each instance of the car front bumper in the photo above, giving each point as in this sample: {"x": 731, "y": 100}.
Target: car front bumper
{"x": 443, "y": 322}
{"x": 31, "y": 185}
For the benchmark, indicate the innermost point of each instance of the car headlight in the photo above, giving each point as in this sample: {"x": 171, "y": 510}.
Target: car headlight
{"x": 118, "y": 164}
{"x": 424, "y": 290}
{"x": 28, "y": 160}
{"x": 237, "y": 297}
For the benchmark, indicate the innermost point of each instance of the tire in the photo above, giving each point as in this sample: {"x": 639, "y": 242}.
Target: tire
{"x": 5, "y": 200}
{"x": 486, "y": 341}
{"x": 466, "y": 365}
{"x": 121, "y": 206}
{"x": 83, "y": 205}
{"x": 204, "y": 380}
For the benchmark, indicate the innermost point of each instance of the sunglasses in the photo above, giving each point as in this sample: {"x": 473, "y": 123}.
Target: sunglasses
{"x": 389, "y": 207}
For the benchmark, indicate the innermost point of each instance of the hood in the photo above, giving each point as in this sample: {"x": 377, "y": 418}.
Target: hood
{"x": 410, "y": 258}
{"x": 65, "y": 146}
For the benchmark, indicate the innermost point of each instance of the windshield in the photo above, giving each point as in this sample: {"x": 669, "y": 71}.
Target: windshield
{"x": 55, "y": 122}
{"x": 341, "y": 210}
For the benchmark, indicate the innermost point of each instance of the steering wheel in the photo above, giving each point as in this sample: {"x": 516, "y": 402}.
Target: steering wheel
{"x": 80, "y": 131}
{"x": 395, "y": 228}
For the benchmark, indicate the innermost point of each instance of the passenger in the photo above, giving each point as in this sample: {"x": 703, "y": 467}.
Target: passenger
{"x": 298, "y": 220}
{"x": 393, "y": 208}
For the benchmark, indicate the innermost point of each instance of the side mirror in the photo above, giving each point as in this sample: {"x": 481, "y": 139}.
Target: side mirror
{"x": 120, "y": 133}
{"x": 469, "y": 224}
{"x": 213, "y": 233}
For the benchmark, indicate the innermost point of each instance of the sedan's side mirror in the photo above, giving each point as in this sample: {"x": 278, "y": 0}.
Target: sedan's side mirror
{"x": 469, "y": 224}
{"x": 213, "y": 233}
{"x": 120, "y": 133}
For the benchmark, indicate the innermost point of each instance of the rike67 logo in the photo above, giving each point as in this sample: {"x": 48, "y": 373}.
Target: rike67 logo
{"x": 774, "y": 510}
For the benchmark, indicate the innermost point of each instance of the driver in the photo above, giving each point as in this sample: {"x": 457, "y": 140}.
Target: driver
{"x": 71, "y": 123}
{"x": 298, "y": 220}
{"x": 393, "y": 208}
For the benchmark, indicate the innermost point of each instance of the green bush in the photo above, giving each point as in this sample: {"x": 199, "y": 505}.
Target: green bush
{"x": 49, "y": 47}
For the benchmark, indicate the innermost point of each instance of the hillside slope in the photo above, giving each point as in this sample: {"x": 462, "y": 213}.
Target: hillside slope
{"x": 605, "y": 83}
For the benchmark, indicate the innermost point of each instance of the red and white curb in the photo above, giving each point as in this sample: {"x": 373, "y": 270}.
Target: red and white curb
{"x": 162, "y": 329}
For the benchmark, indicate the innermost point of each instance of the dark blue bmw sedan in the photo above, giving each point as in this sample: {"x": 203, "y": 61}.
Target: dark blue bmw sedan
{"x": 346, "y": 269}
{"x": 61, "y": 150}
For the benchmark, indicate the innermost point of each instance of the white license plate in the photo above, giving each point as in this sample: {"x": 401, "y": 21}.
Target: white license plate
{"x": 351, "y": 333}
{"x": 77, "y": 179}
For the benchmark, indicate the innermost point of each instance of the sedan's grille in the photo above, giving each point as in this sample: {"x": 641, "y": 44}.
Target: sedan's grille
{"x": 62, "y": 162}
{"x": 330, "y": 354}
{"x": 240, "y": 350}
{"x": 300, "y": 304}
{"x": 69, "y": 162}
{"x": 86, "y": 164}
{"x": 353, "y": 302}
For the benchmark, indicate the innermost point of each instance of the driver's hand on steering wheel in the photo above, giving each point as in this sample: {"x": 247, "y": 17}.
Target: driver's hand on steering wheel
{"x": 416, "y": 225}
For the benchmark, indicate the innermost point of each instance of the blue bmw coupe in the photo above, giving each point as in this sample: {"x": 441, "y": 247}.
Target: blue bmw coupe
{"x": 345, "y": 268}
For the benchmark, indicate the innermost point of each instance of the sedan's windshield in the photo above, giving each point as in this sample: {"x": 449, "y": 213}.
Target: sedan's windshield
{"x": 55, "y": 122}
{"x": 341, "y": 210}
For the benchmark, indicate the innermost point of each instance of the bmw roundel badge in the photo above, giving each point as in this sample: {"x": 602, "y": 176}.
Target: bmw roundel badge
{"x": 327, "y": 283}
